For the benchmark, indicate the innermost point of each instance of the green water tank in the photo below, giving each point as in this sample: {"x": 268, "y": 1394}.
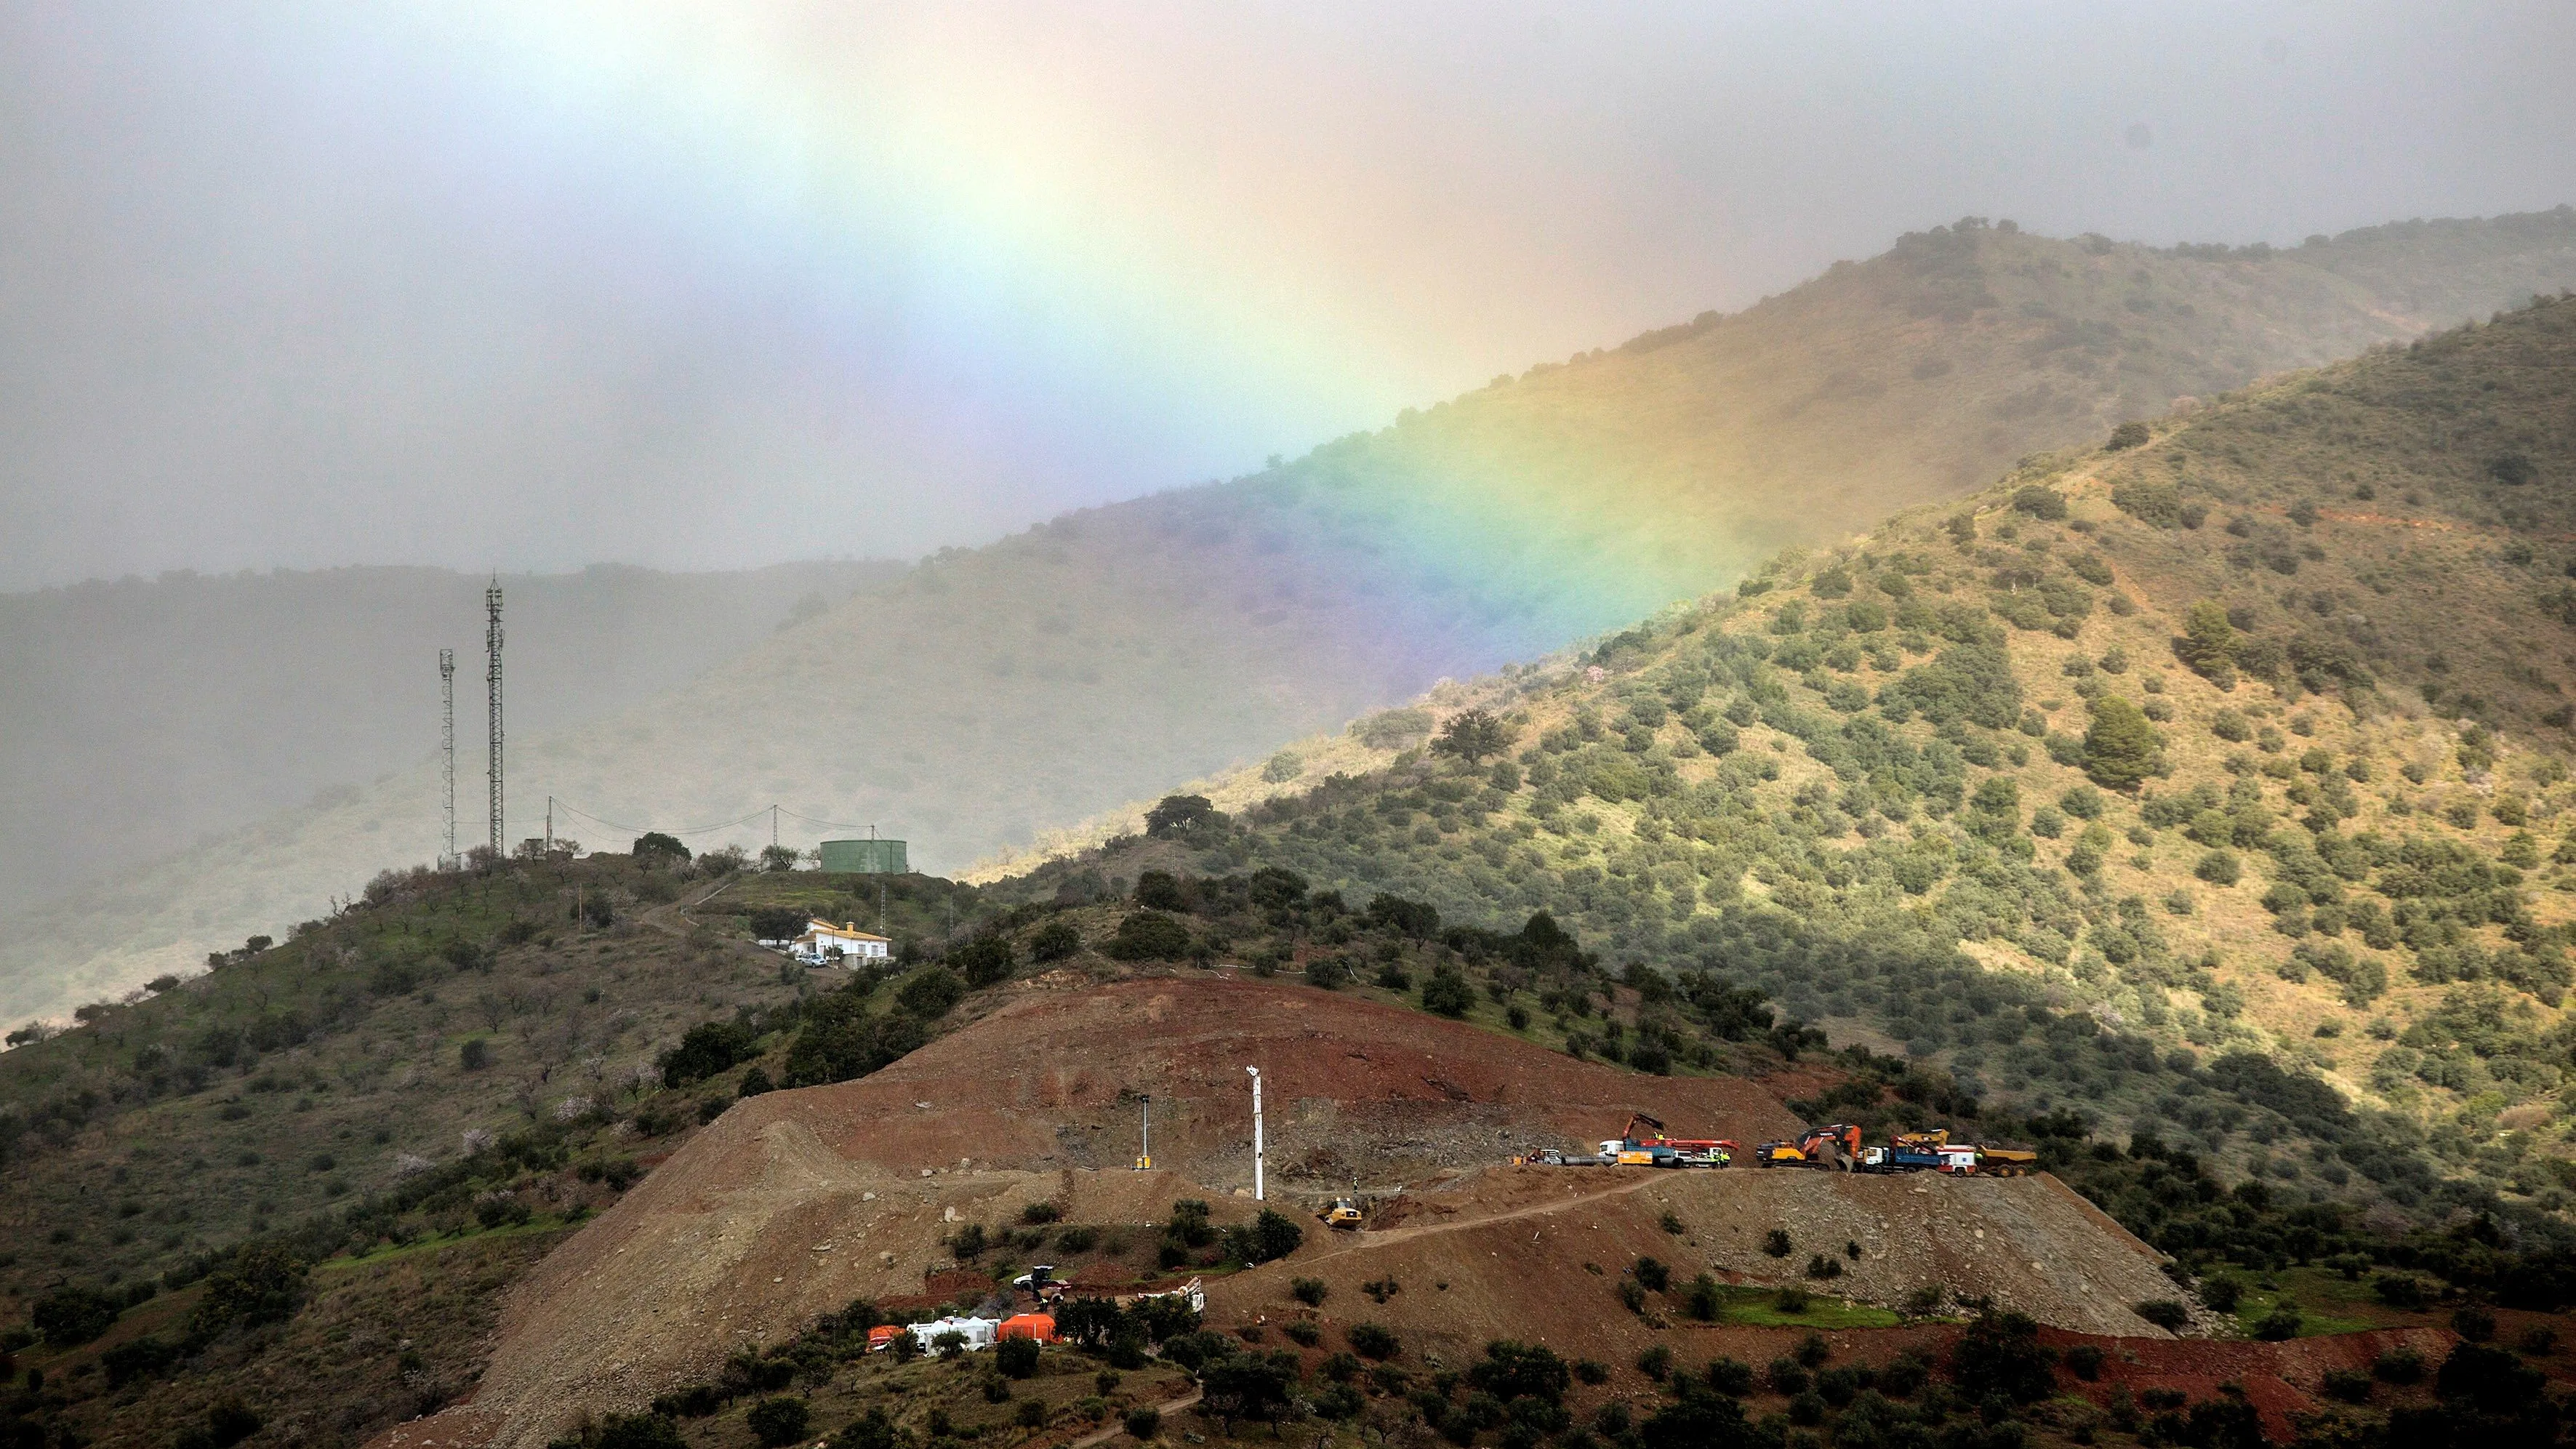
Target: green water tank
{"x": 865, "y": 857}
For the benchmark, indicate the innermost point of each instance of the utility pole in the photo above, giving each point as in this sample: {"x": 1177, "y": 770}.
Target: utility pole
{"x": 492, "y": 688}
{"x": 1145, "y": 1151}
{"x": 1256, "y": 1132}
{"x": 447, "y": 753}
{"x": 550, "y": 825}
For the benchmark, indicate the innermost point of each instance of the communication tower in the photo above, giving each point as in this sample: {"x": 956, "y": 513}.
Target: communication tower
{"x": 492, "y": 686}
{"x": 447, "y": 754}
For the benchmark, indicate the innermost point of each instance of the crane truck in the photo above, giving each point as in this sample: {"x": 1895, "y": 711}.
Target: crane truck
{"x": 1645, "y": 1141}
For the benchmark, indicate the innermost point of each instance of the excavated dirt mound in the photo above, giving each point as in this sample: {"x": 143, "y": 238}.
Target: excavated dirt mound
{"x": 794, "y": 1203}
{"x": 1510, "y": 1252}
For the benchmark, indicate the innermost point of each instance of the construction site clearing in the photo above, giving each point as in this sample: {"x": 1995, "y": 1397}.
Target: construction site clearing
{"x": 1644, "y": 1143}
{"x": 1461, "y": 1229}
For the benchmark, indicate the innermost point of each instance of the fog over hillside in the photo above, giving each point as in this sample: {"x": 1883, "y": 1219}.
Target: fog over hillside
{"x": 145, "y": 716}
{"x": 990, "y": 696}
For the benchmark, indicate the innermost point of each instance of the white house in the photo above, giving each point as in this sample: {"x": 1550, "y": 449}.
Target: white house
{"x": 825, "y": 942}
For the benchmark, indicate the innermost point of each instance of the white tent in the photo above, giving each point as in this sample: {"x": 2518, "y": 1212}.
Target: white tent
{"x": 978, "y": 1332}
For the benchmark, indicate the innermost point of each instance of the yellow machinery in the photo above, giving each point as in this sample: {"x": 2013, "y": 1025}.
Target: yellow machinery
{"x": 1344, "y": 1212}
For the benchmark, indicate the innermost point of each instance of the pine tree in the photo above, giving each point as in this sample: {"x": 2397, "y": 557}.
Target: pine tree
{"x": 2208, "y": 643}
{"x": 2121, "y": 748}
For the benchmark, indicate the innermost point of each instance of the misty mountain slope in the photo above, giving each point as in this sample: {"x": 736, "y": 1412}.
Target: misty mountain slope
{"x": 146, "y": 715}
{"x": 2251, "y": 742}
{"x": 995, "y": 694}
{"x": 1580, "y": 496}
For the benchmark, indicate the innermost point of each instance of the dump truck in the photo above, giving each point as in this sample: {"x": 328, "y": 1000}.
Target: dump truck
{"x": 1342, "y": 1212}
{"x": 1974, "y": 1160}
{"x": 1900, "y": 1157}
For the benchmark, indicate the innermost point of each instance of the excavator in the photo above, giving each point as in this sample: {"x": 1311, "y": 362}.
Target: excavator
{"x": 1837, "y": 1146}
{"x": 1343, "y": 1213}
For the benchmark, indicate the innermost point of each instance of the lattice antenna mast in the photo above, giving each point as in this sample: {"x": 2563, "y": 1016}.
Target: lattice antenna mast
{"x": 492, "y": 686}
{"x": 447, "y": 753}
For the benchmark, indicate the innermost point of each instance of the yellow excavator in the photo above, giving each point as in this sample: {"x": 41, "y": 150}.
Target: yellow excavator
{"x": 1343, "y": 1213}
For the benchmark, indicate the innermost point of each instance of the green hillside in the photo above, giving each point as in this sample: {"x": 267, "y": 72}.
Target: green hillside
{"x": 992, "y": 696}
{"x": 310, "y": 1173}
{"x": 2060, "y": 815}
{"x": 2002, "y": 788}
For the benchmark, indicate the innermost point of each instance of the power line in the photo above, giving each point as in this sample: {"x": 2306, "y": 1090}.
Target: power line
{"x": 834, "y": 824}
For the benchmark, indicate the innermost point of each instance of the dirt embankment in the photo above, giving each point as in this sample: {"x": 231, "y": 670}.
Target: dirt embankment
{"x": 794, "y": 1203}
{"x": 1513, "y": 1252}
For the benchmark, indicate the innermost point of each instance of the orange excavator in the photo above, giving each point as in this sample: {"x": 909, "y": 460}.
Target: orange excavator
{"x": 1837, "y": 1146}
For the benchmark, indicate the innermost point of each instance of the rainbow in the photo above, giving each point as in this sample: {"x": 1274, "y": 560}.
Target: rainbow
{"x": 928, "y": 171}
{"x": 943, "y": 174}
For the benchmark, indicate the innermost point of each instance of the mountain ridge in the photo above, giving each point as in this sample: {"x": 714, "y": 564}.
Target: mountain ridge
{"x": 1095, "y": 658}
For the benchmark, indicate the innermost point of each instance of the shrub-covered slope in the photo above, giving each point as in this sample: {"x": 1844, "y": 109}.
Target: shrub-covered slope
{"x": 300, "y": 1182}
{"x": 2181, "y": 784}
{"x": 1000, "y": 693}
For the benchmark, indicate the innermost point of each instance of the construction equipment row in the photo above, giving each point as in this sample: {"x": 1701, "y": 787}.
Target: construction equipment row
{"x": 1644, "y": 1142}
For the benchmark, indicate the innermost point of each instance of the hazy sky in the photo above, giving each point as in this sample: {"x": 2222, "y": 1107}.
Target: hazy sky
{"x": 701, "y": 285}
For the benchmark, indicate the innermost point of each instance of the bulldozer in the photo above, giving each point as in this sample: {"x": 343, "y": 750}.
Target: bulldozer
{"x": 1342, "y": 1213}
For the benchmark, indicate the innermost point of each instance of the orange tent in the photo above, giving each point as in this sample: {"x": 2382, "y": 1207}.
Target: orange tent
{"x": 1040, "y": 1326}
{"x": 883, "y": 1335}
